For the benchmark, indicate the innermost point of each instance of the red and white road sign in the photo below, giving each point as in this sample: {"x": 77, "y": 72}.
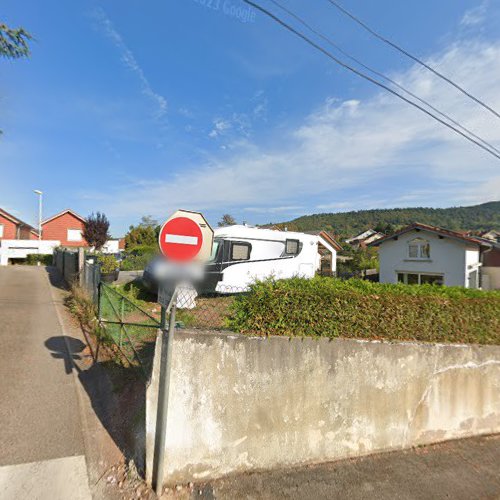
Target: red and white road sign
{"x": 186, "y": 236}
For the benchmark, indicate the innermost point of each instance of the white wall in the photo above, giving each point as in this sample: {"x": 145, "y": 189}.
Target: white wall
{"x": 20, "y": 249}
{"x": 111, "y": 246}
{"x": 447, "y": 256}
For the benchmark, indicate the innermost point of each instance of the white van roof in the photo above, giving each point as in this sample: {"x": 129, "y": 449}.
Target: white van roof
{"x": 257, "y": 233}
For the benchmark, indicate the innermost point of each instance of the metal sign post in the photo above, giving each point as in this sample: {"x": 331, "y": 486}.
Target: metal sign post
{"x": 167, "y": 341}
{"x": 185, "y": 240}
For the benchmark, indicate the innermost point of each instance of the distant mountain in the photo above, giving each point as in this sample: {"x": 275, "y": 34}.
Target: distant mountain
{"x": 345, "y": 224}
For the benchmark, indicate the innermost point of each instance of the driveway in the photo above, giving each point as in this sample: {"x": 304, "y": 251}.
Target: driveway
{"x": 42, "y": 448}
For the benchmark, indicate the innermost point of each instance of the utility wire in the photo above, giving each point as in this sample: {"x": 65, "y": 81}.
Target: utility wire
{"x": 381, "y": 75}
{"x": 411, "y": 56}
{"x": 364, "y": 76}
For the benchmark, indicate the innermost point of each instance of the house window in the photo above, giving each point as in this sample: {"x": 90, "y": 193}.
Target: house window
{"x": 292, "y": 247}
{"x": 240, "y": 251}
{"x": 74, "y": 235}
{"x": 419, "y": 249}
{"x": 420, "y": 279}
{"x": 1, "y": 230}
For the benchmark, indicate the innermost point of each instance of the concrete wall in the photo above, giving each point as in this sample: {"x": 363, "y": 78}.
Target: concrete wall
{"x": 447, "y": 256}
{"x": 240, "y": 403}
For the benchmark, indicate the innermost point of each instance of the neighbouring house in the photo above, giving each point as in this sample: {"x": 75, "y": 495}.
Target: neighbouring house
{"x": 67, "y": 227}
{"x": 421, "y": 254}
{"x": 365, "y": 238}
{"x": 327, "y": 249}
{"x": 115, "y": 245}
{"x": 18, "y": 240}
{"x": 12, "y": 228}
{"x": 490, "y": 271}
{"x": 491, "y": 235}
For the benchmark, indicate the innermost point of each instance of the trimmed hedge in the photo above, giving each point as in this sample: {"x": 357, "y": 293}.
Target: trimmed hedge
{"x": 33, "y": 259}
{"x": 326, "y": 307}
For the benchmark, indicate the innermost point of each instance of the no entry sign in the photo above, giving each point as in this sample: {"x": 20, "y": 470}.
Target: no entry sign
{"x": 185, "y": 237}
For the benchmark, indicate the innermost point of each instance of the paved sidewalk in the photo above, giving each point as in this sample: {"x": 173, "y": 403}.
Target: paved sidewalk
{"x": 468, "y": 469}
{"x": 41, "y": 439}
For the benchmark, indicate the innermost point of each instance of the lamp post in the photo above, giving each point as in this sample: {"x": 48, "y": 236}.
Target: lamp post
{"x": 40, "y": 196}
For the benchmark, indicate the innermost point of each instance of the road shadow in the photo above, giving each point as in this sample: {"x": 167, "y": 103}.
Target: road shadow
{"x": 117, "y": 393}
{"x": 56, "y": 279}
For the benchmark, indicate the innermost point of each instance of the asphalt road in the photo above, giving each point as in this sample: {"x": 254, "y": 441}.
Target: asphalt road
{"x": 41, "y": 441}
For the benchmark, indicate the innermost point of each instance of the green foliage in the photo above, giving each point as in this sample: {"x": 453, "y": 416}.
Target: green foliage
{"x": 326, "y": 307}
{"x": 227, "y": 220}
{"x": 33, "y": 259}
{"x": 361, "y": 260}
{"x": 144, "y": 250}
{"x": 141, "y": 236}
{"x": 108, "y": 262}
{"x": 137, "y": 262}
{"x": 475, "y": 218}
{"x": 14, "y": 42}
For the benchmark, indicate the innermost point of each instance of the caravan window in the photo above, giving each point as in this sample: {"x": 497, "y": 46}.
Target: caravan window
{"x": 215, "y": 250}
{"x": 292, "y": 247}
{"x": 240, "y": 251}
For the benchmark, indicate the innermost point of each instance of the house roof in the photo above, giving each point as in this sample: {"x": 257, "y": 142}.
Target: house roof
{"x": 17, "y": 221}
{"x": 436, "y": 230}
{"x": 328, "y": 237}
{"x": 68, "y": 210}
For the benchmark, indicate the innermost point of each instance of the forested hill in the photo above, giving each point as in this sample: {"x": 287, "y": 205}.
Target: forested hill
{"x": 475, "y": 218}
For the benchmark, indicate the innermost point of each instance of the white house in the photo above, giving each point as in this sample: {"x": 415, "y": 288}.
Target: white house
{"x": 425, "y": 254}
{"x": 365, "y": 238}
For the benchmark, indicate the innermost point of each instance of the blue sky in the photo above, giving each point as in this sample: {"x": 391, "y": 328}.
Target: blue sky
{"x": 138, "y": 108}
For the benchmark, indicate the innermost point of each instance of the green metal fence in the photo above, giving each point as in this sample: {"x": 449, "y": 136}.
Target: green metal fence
{"x": 131, "y": 329}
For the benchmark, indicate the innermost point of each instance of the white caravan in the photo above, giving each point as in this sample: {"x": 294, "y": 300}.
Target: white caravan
{"x": 243, "y": 254}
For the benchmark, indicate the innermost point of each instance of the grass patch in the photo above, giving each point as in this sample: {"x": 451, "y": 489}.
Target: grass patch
{"x": 325, "y": 307}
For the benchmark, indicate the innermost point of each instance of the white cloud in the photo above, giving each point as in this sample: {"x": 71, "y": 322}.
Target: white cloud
{"x": 476, "y": 15}
{"x": 220, "y": 125}
{"x": 129, "y": 60}
{"x": 378, "y": 147}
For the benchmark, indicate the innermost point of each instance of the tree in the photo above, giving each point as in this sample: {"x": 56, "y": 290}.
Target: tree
{"x": 148, "y": 221}
{"x": 14, "y": 42}
{"x": 95, "y": 230}
{"x": 227, "y": 220}
{"x": 145, "y": 234}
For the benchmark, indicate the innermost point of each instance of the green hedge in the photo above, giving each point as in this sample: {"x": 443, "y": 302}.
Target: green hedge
{"x": 326, "y": 307}
{"x": 33, "y": 259}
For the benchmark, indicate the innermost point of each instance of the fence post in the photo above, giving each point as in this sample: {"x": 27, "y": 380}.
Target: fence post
{"x": 99, "y": 302}
{"x": 122, "y": 310}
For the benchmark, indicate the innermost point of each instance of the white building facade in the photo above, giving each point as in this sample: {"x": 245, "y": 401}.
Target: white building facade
{"x": 422, "y": 254}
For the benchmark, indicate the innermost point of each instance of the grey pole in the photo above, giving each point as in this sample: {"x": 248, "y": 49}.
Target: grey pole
{"x": 40, "y": 194}
{"x": 167, "y": 342}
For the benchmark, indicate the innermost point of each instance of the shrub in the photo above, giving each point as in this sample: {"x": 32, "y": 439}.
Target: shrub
{"x": 108, "y": 262}
{"x": 328, "y": 307}
{"x": 135, "y": 262}
{"x": 143, "y": 250}
{"x": 33, "y": 259}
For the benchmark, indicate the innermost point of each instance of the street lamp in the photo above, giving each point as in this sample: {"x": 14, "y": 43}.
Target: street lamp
{"x": 40, "y": 196}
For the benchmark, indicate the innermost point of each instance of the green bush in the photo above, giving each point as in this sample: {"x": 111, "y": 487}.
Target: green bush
{"x": 135, "y": 262}
{"x": 143, "y": 250}
{"x": 326, "y": 307}
{"x": 108, "y": 262}
{"x": 33, "y": 259}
